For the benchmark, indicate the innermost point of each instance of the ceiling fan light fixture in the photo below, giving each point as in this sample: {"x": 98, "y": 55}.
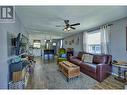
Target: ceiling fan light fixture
{"x": 68, "y": 28}
{"x": 65, "y": 29}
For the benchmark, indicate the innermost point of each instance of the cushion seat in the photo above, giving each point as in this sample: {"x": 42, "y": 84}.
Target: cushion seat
{"x": 89, "y": 66}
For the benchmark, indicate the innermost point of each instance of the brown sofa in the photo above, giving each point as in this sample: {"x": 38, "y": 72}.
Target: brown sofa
{"x": 99, "y": 69}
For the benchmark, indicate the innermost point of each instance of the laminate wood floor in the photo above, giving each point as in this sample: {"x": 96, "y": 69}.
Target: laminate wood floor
{"x": 109, "y": 83}
{"x": 38, "y": 81}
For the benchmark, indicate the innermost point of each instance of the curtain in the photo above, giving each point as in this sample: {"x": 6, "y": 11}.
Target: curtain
{"x": 85, "y": 44}
{"x": 105, "y": 39}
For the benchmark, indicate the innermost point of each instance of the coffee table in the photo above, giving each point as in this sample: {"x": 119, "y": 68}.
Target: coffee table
{"x": 69, "y": 69}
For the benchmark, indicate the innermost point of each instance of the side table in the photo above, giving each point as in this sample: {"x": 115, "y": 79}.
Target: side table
{"x": 122, "y": 70}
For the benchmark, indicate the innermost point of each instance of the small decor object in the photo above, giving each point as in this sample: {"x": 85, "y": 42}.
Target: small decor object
{"x": 63, "y": 55}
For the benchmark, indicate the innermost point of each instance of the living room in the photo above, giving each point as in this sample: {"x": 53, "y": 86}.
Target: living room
{"x": 99, "y": 33}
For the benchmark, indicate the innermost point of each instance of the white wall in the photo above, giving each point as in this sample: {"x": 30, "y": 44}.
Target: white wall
{"x": 4, "y": 28}
{"x": 77, "y": 46}
{"x": 118, "y": 40}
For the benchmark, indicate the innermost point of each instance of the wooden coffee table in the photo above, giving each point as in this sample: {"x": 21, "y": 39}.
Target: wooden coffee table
{"x": 69, "y": 69}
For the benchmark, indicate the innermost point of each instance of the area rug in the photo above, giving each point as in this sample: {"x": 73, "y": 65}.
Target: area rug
{"x": 47, "y": 76}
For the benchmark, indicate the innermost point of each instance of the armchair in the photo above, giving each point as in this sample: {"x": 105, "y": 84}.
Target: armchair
{"x": 62, "y": 55}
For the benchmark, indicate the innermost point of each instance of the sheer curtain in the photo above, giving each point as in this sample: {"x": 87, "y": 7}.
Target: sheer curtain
{"x": 85, "y": 44}
{"x": 105, "y": 39}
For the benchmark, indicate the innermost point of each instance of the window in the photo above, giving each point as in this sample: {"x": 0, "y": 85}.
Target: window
{"x": 36, "y": 43}
{"x": 94, "y": 42}
{"x": 54, "y": 44}
{"x": 61, "y": 43}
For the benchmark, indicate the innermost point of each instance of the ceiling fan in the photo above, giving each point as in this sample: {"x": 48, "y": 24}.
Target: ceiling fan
{"x": 67, "y": 26}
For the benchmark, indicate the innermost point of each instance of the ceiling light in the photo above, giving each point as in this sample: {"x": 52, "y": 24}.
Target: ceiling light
{"x": 68, "y": 28}
{"x": 65, "y": 29}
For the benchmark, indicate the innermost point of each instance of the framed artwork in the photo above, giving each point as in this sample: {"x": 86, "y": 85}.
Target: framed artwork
{"x": 126, "y": 38}
{"x": 73, "y": 40}
{"x": 69, "y": 42}
{"x": 65, "y": 42}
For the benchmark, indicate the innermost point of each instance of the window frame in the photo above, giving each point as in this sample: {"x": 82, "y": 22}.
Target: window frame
{"x": 36, "y": 41}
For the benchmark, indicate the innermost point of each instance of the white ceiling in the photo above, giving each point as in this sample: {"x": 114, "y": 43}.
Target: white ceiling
{"x": 43, "y": 19}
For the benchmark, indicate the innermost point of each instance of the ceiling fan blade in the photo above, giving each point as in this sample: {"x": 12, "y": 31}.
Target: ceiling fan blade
{"x": 58, "y": 26}
{"x": 75, "y": 24}
{"x": 66, "y": 21}
{"x": 72, "y": 28}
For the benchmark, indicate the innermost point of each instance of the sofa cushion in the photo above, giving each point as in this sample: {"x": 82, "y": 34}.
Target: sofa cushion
{"x": 88, "y": 66}
{"x": 88, "y": 58}
{"x": 100, "y": 59}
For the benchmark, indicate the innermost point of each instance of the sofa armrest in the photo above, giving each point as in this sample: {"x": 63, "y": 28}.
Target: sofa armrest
{"x": 73, "y": 57}
{"x": 103, "y": 70}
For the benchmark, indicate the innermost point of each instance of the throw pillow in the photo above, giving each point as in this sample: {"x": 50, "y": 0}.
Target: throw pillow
{"x": 88, "y": 58}
{"x": 83, "y": 57}
{"x": 63, "y": 55}
{"x": 79, "y": 55}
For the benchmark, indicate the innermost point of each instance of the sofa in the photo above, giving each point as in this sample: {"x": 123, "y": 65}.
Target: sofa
{"x": 99, "y": 68}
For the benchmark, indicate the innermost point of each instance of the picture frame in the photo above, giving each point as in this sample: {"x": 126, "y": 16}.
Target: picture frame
{"x": 65, "y": 42}
{"x": 126, "y": 38}
{"x": 69, "y": 42}
{"x": 73, "y": 41}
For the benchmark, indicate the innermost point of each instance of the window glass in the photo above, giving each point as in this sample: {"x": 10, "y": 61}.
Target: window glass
{"x": 94, "y": 42}
{"x": 36, "y": 43}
